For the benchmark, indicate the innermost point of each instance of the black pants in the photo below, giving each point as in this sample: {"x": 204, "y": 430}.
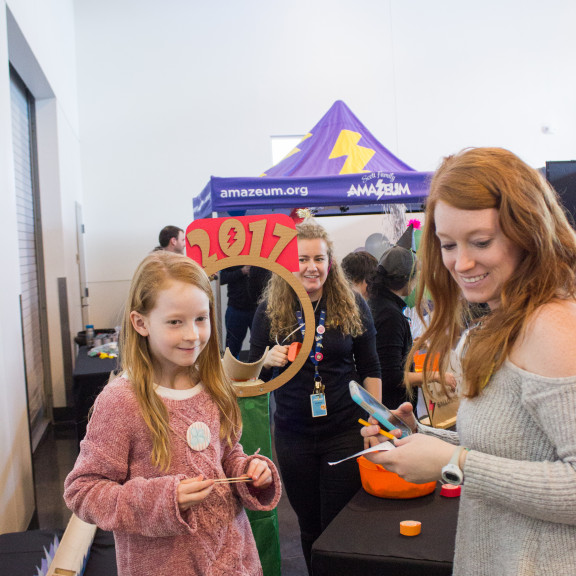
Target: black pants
{"x": 315, "y": 490}
{"x": 238, "y": 322}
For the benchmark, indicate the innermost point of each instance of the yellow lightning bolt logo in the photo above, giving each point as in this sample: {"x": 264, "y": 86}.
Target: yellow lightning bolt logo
{"x": 231, "y": 237}
{"x": 358, "y": 156}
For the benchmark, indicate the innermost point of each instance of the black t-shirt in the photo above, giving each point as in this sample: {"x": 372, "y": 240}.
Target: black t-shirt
{"x": 238, "y": 295}
{"x": 393, "y": 342}
{"x": 345, "y": 359}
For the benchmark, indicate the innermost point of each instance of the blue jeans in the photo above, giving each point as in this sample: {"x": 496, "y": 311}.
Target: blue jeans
{"x": 238, "y": 322}
{"x": 316, "y": 491}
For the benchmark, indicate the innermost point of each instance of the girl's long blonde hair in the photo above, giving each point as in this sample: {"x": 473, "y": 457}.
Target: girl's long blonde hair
{"x": 530, "y": 216}
{"x": 152, "y": 276}
{"x": 342, "y": 312}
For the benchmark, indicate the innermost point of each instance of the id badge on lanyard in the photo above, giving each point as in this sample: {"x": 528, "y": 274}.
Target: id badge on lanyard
{"x": 318, "y": 403}
{"x": 317, "y": 398}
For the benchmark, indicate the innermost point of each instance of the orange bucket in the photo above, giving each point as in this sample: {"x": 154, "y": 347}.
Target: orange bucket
{"x": 420, "y": 358}
{"x": 378, "y": 481}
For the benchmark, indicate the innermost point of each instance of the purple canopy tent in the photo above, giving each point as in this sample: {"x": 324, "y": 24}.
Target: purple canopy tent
{"x": 338, "y": 163}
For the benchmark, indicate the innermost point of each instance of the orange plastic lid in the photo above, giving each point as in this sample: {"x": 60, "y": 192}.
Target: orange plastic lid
{"x": 410, "y": 527}
{"x": 378, "y": 481}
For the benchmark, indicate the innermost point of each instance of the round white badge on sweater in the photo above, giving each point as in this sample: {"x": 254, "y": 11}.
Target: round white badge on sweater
{"x": 198, "y": 436}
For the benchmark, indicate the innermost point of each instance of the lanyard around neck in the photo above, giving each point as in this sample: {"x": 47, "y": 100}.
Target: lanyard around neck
{"x": 316, "y": 356}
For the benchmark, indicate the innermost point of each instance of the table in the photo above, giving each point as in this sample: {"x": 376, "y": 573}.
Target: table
{"x": 22, "y": 552}
{"x": 365, "y": 537}
{"x": 90, "y": 375}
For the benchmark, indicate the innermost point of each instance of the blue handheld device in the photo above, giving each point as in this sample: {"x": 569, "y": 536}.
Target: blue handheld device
{"x": 376, "y": 409}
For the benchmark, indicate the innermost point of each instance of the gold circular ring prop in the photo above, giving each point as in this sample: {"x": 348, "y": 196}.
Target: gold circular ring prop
{"x": 258, "y": 387}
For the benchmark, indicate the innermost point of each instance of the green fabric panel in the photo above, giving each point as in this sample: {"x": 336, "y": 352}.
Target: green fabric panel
{"x": 256, "y": 434}
{"x": 416, "y": 236}
{"x": 256, "y": 425}
{"x": 411, "y": 298}
{"x": 265, "y": 532}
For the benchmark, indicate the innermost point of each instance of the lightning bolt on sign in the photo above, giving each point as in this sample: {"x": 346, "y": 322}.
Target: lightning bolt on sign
{"x": 358, "y": 156}
{"x": 231, "y": 237}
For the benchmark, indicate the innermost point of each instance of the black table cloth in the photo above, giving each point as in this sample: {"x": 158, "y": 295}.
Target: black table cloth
{"x": 365, "y": 538}
{"x": 22, "y": 552}
{"x": 91, "y": 374}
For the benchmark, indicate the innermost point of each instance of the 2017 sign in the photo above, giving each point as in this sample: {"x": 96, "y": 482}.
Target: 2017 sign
{"x": 266, "y": 241}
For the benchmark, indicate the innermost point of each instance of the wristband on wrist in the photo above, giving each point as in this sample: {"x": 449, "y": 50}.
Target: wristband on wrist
{"x": 452, "y": 473}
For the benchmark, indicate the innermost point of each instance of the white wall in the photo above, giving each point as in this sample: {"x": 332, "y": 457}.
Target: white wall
{"x": 173, "y": 92}
{"x": 490, "y": 73}
{"x": 38, "y": 39}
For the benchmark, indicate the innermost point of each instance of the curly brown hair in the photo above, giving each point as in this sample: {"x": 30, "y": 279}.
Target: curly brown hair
{"x": 342, "y": 311}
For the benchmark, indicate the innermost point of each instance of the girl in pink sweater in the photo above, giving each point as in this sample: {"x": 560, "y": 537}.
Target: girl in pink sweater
{"x": 163, "y": 433}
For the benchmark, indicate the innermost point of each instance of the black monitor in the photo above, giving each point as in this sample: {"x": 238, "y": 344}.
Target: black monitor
{"x": 562, "y": 175}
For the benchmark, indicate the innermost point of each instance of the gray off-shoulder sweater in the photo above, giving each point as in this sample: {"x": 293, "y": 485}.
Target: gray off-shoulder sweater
{"x": 518, "y": 506}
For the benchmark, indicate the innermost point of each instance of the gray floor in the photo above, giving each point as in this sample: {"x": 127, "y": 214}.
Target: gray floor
{"x": 54, "y": 458}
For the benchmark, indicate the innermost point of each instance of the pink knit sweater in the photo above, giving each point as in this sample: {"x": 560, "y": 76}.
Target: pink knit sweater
{"x": 114, "y": 485}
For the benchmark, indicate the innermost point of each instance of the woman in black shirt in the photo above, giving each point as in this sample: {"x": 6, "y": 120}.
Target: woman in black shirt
{"x": 308, "y": 435}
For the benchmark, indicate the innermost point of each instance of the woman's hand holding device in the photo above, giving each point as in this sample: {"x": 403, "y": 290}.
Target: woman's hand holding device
{"x": 418, "y": 458}
{"x": 405, "y": 413}
{"x": 391, "y": 420}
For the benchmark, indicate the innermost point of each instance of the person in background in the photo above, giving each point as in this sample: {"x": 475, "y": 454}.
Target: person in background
{"x": 311, "y": 431}
{"x": 394, "y": 279}
{"x": 162, "y": 444}
{"x": 495, "y": 233}
{"x": 171, "y": 239}
{"x": 358, "y": 268}
{"x": 241, "y": 306}
{"x": 258, "y": 278}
